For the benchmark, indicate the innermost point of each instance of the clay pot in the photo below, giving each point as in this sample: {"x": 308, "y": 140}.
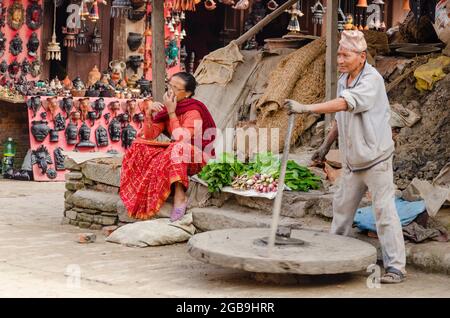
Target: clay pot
{"x": 134, "y": 40}
{"x": 134, "y": 62}
{"x": 136, "y": 15}
{"x": 78, "y": 93}
{"x": 93, "y": 76}
{"x": 137, "y": 3}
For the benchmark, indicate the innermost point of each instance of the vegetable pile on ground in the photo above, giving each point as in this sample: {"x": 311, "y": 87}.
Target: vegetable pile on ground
{"x": 260, "y": 174}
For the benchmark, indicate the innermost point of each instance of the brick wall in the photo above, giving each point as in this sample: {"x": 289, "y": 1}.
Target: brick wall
{"x": 14, "y": 123}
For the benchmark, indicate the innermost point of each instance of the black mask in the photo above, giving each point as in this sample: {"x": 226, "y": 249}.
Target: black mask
{"x": 2, "y": 43}
{"x": 15, "y": 46}
{"x": 128, "y": 135}
{"x": 99, "y": 106}
{"x": 26, "y": 67}
{"x": 39, "y": 129}
{"x": 34, "y": 103}
{"x": 3, "y": 67}
{"x": 14, "y": 68}
{"x": 114, "y": 130}
{"x": 85, "y": 134}
{"x": 71, "y": 134}
{"x": 101, "y": 136}
{"x": 41, "y": 157}
{"x": 54, "y": 135}
{"x": 59, "y": 159}
{"x": 66, "y": 105}
{"x": 33, "y": 44}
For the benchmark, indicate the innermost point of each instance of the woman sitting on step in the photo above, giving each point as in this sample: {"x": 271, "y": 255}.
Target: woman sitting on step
{"x": 152, "y": 170}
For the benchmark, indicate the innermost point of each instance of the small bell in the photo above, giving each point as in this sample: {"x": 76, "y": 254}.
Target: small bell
{"x": 84, "y": 12}
{"x": 171, "y": 28}
{"x": 176, "y": 33}
{"x": 183, "y": 33}
{"x": 362, "y": 4}
{"x": 53, "y": 49}
{"x": 70, "y": 39}
{"x": 82, "y": 35}
{"x": 318, "y": 11}
{"x": 182, "y": 16}
{"x": 93, "y": 13}
{"x": 96, "y": 43}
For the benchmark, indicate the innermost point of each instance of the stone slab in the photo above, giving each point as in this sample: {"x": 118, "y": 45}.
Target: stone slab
{"x": 74, "y": 175}
{"x": 94, "y": 200}
{"x": 323, "y": 253}
{"x": 101, "y": 172}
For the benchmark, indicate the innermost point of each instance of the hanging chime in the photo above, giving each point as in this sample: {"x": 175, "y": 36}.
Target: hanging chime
{"x": 84, "y": 11}
{"x": 341, "y": 18}
{"x": 183, "y": 34}
{"x": 70, "y": 39}
{"x": 362, "y": 5}
{"x": 93, "y": 12}
{"x": 82, "y": 34}
{"x": 120, "y": 8}
{"x": 96, "y": 43}
{"x": 318, "y": 10}
{"x": 379, "y": 23}
{"x": 53, "y": 48}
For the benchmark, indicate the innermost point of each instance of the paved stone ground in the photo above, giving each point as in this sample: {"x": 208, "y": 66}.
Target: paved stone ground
{"x": 39, "y": 258}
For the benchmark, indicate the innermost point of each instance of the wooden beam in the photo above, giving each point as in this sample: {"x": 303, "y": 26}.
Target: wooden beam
{"x": 158, "y": 55}
{"x": 331, "y": 54}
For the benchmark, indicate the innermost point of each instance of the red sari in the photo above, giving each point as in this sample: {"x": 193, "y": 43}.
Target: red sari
{"x": 149, "y": 170}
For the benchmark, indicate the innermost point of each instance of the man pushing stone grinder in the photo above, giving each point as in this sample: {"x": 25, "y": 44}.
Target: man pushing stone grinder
{"x": 366, "y": 146}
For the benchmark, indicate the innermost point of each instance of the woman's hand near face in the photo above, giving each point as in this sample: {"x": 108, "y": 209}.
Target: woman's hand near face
{"x": 170, "y": 101}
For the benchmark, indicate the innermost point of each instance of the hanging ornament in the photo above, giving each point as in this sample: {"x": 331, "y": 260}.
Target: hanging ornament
{"x": 82, "y": 34}
{"x": 341, "y": 18}
{"x": 318, "y": 10}
{"x": 70, "y": 38}
{"x": 295, "y": 12}
{"x": 182, "y": 16}
{"x": 93, "y": 12}
{"x": 84, "y": 11}
{"x": 96, "y": 43}
{"x": 16, "y": 15}
{"x": 15, "y": 46}
{"x": 35, "y": 15}
{"x": 120, "y": 8}
{"x": 171, "y": 28}
{"x": 148, "y": 25}
{"x": 136, "y": 15}
{"x": 53, "y": 48}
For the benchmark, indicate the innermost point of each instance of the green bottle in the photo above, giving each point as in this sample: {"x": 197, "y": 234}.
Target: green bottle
{"x": 9, "y": 151}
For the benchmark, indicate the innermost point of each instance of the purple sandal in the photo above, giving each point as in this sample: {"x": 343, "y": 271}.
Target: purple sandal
{"x": 178, "y": 213}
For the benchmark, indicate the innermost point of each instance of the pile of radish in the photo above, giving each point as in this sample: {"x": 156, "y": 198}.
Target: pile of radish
{"x": 263, "y": 183}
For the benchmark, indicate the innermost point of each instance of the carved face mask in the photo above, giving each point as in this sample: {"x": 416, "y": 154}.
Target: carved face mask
{"x": 34, "y": 15}
{"x": 16, "y": 15}
{"x": 33, "y": 44}
{"x": 66, "y": 105}
{"x": 101, "y": 136}
{"x": 39, "y": 129}
{"x": 41, "y": 157}
{"x": 15, "y": 46}
{"x": 36, "y": 68}
{"x": 128, "y": 135}
{"x": 14, "y": 68}
{"x": 59, "y": 159}
{"x": 26, "y": 67}
{"x": 34, "y": 103}
{"x": 71, "y": 134}
{"x": 85, "y": 134}
{"x": 54, "y": 137}
{"x": 114, "y": 130}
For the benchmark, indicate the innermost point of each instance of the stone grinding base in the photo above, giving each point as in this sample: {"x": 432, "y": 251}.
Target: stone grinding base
{"x": 322, "y": 253}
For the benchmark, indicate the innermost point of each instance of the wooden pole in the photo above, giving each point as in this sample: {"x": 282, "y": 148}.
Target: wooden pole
{"x": 158, "y": 45}
{"x": 331, "y": 54}
{"x": 261, "y": 24}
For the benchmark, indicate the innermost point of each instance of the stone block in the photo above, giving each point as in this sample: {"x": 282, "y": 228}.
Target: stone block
{"x": 65, "y": 221}
{"x": 74, "y": 185}
{"x": 71, "y": 214}
{"x": 89, "y": 211}
{"x": 73, "y": 175}
{"x": 73, "y": 222}
{"x": 71, "y": 165}
{"x": 95, "y": 227}
{"x": 67, "y": 196}
{"x": 94, "y": 200}
{"x": 105, "y": 220}
{"x": 123, "y": 213}
{"x": 105, "y": 188}
{"x": 84, "y": 217}
{"x": 67, "y": 206}
{"x": 89, "y": 182}
{"x": 105, "y": 173}
{"x": 84, "y": 225}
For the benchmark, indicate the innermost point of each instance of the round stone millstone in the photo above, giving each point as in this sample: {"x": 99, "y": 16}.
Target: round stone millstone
{"x": 322, "y": 253}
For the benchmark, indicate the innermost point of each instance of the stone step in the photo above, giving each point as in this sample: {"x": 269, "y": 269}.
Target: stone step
{"x": 95, "y": 200}
{"x": 234, "y": 216}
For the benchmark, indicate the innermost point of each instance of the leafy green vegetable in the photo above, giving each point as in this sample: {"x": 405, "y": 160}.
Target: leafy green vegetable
{"x": 300, "y": 178}
{"x": 220, "y": 172}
